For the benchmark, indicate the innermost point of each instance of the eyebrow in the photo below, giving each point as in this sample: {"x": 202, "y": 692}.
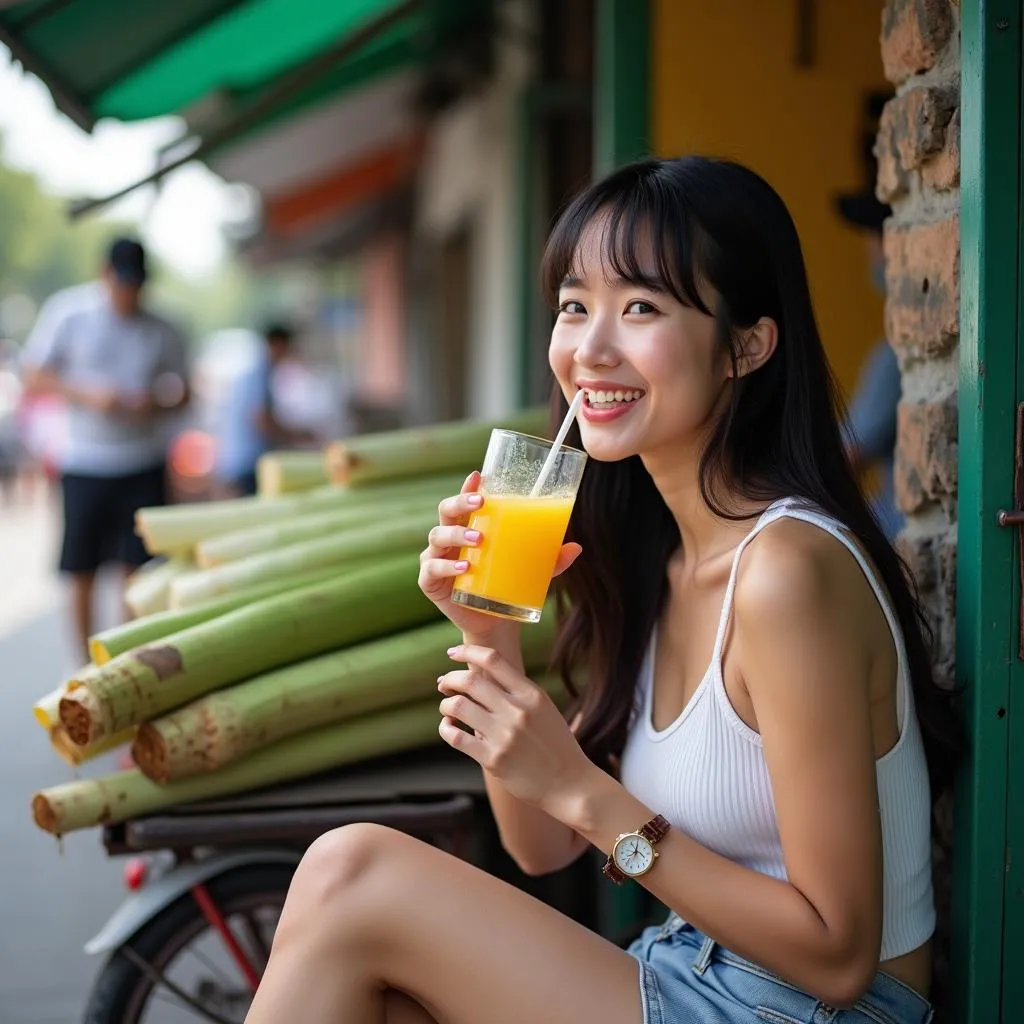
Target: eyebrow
{"x": 646, "y": 281}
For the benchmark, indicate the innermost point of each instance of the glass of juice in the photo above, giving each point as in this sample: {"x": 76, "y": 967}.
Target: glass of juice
{"x": 510, "y": 570}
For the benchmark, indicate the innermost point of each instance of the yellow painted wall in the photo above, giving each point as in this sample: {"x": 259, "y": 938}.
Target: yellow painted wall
{"x": 725, "y": 83}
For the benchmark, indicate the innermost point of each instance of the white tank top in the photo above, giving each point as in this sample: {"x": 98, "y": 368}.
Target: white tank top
{"x": 706, "y": 772}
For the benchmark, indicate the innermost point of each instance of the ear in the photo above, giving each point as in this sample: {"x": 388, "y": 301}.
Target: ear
{"x": 757, "y": 346}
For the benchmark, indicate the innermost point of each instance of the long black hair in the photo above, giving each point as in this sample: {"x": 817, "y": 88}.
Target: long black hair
{"x": 712, "y": 224}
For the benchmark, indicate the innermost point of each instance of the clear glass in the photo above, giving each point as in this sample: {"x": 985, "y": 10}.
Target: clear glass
{"x": 510, "y": 571}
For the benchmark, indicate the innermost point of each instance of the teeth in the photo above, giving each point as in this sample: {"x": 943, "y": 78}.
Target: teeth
{"x": 608, "y": 397}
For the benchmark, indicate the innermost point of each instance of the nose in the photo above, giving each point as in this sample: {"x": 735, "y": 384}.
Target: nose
{"x": 597, "y": 345}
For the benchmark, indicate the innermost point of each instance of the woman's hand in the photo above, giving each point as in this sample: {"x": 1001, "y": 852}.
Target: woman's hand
{"x": 440, "y": 564}
{"x": 519, "y": 735}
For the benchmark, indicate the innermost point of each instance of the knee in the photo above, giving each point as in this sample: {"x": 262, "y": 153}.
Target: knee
{"x": 337, "y": 866}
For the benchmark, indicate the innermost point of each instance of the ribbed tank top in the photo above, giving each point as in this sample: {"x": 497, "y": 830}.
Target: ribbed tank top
{"x": 706, "y": 772}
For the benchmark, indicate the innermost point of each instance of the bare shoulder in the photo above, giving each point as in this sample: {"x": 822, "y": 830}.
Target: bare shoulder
{"x": 794, "y": 572}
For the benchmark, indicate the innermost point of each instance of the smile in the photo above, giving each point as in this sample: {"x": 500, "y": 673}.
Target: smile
{"x": 605, "y": 405}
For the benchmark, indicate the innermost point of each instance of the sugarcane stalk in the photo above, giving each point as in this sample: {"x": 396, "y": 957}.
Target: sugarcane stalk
{"x": 391, "y": 455}
{"x": 173, "y": 529}
{"x": 285, "y": 472}
{"x": 148, "y": 681}
{"x": 357, "y": 543}
{"x": 225, "y": 726}
{"x": 114, "y": 641}
{"x": 230, "y": 547}
{"x": 86, "y": 803}
{"x": 148, "y": 591}
{"x": 75, "y": 755}
{"x": 46, "y": 709}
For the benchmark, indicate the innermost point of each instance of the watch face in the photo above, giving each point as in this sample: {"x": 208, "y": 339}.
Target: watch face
{"x": 633, "y": 855}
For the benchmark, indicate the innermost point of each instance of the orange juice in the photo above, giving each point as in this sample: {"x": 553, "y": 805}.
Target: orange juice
{"x": 513, "y": 563}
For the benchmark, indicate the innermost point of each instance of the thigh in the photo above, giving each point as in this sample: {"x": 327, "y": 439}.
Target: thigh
{"x": 400, "y": 1009}
{"x": 471, "y": 948}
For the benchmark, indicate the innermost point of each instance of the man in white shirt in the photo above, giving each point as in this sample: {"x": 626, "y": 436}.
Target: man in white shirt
{"x": 120, "y": 369}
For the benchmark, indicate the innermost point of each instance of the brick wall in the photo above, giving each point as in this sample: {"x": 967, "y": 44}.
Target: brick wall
{"x": 918, "y": 151}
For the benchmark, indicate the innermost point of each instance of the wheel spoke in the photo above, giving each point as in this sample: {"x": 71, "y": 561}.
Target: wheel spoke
{"x": 252, "y": 933}
{"x": 161, "y": 981}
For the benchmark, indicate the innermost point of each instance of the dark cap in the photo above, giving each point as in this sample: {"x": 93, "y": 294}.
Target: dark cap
{"x": 127, "y": 259}
{"x": 862, "y": 208}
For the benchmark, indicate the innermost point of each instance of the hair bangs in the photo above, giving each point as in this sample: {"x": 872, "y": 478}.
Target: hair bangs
{"x": 644, "y": 239}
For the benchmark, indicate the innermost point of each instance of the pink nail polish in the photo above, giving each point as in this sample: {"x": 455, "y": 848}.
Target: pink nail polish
{"x": 462, "y": 566}
{"x": 474, "y": 500}
{"x": 472, "y": 536}
{"x": 452, "y": 650}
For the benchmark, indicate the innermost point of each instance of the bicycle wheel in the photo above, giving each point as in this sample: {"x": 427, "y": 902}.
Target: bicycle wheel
{"x": 180, "y": 944}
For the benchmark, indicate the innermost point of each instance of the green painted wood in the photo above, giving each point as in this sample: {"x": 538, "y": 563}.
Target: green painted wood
{"x": 986, "y": 634}
{"x": 622, "y": 120}
{"x": 1013, "y": 896}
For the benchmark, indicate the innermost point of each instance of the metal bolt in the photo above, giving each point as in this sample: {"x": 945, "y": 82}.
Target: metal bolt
{"x": 1003, "y": 24}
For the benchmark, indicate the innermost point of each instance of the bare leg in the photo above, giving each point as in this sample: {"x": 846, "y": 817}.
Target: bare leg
{"x": 81, "y": 609}
{"x": 400, "y": 1009}
{"x": 371, "y": 909}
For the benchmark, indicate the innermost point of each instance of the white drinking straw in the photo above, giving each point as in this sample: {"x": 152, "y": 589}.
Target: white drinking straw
{"x": 549, "y": 462}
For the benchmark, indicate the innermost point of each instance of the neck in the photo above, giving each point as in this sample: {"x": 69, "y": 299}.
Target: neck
{"x": 703, "y": 534}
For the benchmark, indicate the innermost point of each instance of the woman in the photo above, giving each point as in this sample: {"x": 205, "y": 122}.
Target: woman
{"x": 750, "y": 644}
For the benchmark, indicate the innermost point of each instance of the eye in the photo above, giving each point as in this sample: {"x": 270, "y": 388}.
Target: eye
{"x": 572, "y": 307}
{"x": 638, "y": 308}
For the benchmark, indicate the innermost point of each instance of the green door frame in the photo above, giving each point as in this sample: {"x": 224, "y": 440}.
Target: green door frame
{"x": 621, "y": 110}
{"x": 622, "y": 82}
{"x": 988, "y": 591}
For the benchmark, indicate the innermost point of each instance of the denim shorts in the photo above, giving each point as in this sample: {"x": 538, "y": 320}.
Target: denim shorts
{"x": 687, "y": 978}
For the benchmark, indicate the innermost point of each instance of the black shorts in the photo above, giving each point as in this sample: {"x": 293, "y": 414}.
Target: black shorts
{"x": 99, "y": 518}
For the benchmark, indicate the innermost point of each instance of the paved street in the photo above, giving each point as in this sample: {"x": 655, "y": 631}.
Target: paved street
{"x": 52, "y": 898}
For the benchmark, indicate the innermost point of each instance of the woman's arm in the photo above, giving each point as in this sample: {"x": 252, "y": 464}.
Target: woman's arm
{"x": 537, "y": 842}
{"x": 806, "y": 666}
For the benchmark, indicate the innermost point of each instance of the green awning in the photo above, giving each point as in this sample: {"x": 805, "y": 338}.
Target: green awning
{"x": 134, "y": 59}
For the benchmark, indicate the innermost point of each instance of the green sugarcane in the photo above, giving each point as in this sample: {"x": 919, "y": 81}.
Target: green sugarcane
{"x": 368, "y": 539}
{"x": 86, "y": 803}
{"x": 176, "y": 529}
{"x": 285, "y": 472}
{"x": 230, "y": 547}
{"x": 225, "y": 726}
{"x": 118, "y": 639}
{"x": 459, "y": 445}
{"x": 151, "y": 680}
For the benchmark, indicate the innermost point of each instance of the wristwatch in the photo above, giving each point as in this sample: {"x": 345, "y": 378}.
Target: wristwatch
{"x": 634, "y": 854}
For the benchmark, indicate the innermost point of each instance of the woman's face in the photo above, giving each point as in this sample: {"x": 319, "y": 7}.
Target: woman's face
{"x": 651, "y": 368}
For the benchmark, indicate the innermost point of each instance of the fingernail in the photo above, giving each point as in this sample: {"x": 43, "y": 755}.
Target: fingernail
{"x": 453, "y": 651}
{"x": 472, "y": 536}
{"x": 462, "y": 566}
{"x": 474, "y": 500}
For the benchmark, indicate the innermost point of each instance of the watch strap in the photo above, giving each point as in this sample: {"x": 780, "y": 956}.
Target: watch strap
{"x": 612, "y": 873}
{"x": 656, "y": 829}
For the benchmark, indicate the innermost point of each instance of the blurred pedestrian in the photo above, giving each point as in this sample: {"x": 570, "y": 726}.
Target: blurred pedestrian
{"x": 120, "y": 369}
{"x": 871, "y": 420}
{"x": 250, "y": 422}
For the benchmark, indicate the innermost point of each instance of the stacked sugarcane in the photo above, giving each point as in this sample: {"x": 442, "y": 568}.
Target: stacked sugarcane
{"x": 276, "y": 636}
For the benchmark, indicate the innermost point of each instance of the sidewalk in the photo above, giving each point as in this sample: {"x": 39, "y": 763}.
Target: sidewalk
{"x": 53, "y": 897}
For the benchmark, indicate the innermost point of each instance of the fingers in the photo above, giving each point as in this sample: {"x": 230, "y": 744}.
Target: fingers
{"x": 459, "y": 739}
{"x": 491, "y": 664}
{"x": 474, "y": 686}
{"x": 466, "y": 711}
{"x": 456, "y": 511}
{"x": 436, "y": 575}
{"x": 569, "y": 553}
{"x": 442, "y": 539}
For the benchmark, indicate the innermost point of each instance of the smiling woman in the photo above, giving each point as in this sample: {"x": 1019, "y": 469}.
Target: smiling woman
{"x": 751, "y": 743}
